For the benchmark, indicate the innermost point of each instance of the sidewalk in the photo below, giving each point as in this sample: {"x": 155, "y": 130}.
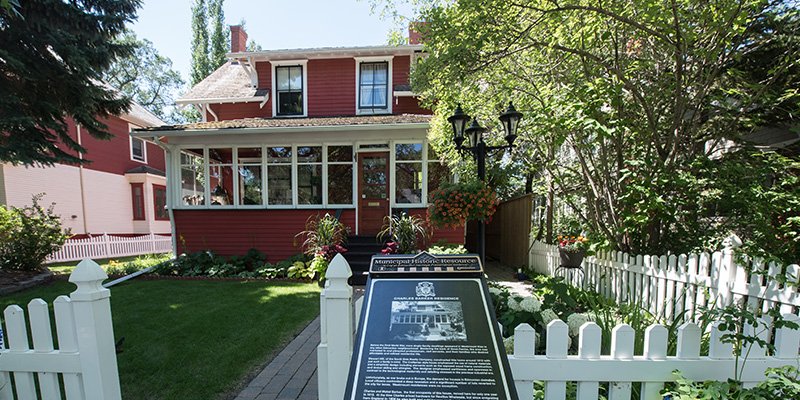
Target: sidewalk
{"x": 292, "y": 374}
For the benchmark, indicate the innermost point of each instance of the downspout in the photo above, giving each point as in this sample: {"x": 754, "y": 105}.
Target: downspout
{"x": 170, "y": 190}
{"x": 80, "y": 178}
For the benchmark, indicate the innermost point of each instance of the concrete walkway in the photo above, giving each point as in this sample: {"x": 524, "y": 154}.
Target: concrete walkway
{"x": 292, "y": 374}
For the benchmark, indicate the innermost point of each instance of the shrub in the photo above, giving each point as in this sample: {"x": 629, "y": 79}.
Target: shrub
{"x": 138, "y": 264}
{"x": 447, "y": 248}
{"x": 28, "y": 235}
{"x": 323, "y": 234}
{"x": 405, "y": 231}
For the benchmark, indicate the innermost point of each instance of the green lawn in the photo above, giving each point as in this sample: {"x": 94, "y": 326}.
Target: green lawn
{"x": 195, "y": 339}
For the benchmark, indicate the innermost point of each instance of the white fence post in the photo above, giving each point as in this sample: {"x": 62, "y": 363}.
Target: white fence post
{"x": 727, "y": 269}
{"x": 336, "y": 331}
{"x": 95, "y": 333}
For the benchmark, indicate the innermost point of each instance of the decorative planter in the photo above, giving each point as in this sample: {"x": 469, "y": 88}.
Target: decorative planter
{"x": 571, "y": 259}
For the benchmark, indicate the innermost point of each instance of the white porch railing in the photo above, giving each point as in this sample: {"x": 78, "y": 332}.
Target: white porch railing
{"x": 590, "y": 368}
{"x": 675, "y": 286}
{"x": 86, "y": 356}
{"x": 108, "y": 246}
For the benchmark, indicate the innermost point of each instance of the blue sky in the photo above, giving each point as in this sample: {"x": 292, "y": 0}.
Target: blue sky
{"x": 274, "y": 24}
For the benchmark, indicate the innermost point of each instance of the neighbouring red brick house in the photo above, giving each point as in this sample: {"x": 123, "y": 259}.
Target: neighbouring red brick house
{"x": 292, "y": 133}
{"x": 121, "y": 190}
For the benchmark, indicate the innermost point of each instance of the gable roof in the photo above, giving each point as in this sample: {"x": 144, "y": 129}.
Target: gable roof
{"x": 291, "y": 123}
{"x": 229, "y": 82}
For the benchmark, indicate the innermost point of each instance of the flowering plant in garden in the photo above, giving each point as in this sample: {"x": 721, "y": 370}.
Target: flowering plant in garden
{"x": 455, "y": 203}
{"x": 573, "y": 244}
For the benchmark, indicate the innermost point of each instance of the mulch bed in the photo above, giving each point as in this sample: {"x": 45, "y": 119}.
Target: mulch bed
{"x": 13, "y": 281}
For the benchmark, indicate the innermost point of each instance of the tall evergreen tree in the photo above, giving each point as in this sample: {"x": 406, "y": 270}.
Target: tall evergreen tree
{"x": 200, "y": 60}
{"x": 219, "y": 43}
{"x": 52, "y": 57}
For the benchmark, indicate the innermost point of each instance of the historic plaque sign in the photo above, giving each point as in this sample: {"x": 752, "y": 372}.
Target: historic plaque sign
{"x": 427, "y": 332}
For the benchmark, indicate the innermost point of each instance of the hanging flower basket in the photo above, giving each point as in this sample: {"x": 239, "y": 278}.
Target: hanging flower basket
{"x": 454, "y": 204}
{"x": 571, "y": 259}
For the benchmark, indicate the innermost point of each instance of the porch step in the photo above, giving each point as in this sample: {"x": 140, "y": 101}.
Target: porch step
{"x": 360, "y": 250}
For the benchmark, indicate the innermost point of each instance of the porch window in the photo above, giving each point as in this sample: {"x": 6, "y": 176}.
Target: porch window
{"x": 438, "y": 173}
{"x": 249, "y": 169}
{"x": 340, "y": 175}
{"x": 309, "y": 175}
{"x": 279, "y": 175}
{"x": 220, "y": 161}
{"x": 408, "y": 173}
{"x": 192, "y": 189}
{"x": 160, "y": 202}
{"x": 289, "y": 80}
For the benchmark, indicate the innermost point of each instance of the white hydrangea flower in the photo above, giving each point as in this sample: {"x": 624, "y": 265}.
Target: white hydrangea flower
{"x": 530, "y": 304}
{"x": 575, "y": 321}
{"x": 548, "y": 315}
{"x": 513, "y": 304}
{"x": 495, "y": 291}
{"x": 508, "y": 343}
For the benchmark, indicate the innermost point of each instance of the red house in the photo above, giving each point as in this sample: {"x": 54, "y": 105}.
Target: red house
{"x": 292, "y": 133}
{"x": 121, "y": 190}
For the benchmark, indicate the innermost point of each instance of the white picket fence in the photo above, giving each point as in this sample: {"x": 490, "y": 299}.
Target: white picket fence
{"x": 339, "y": 314}
{"x": 86, "y": 357}
{"x": 108, "y": 246}
{"x": 675, "y": 286}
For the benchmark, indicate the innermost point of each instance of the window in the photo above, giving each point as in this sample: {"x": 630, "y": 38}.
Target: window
{"x": 249, "y": 176}
{"x": 289, "y": 92}
{"x": 408, "y": 173}
{"x": 438, "y": 173}
{"x": 309, "y": 175}
{"x": 279, "y": 175}
{"x": 138, "y": 150}
{"x": 340, "y": 175}
{"x": 220, "y": 173}
{"x": 137, "y": 192}
{"x": 373, "y": 85}
{"x": 160, "y": 202}
{"x": 192, "y": 189}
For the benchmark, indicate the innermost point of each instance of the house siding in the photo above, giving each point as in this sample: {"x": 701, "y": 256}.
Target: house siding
{"x": 401, "y": 66}
{"x": 331, "y": 87}
{"x": 449, "y": 235}
{"x": 229, "y": 111}
{"x": 233, "y": 232}
{"x": 409, "y": 105}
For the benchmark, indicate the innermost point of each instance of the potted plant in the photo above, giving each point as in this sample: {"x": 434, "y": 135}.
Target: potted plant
{"x": 323, "y": 239}
{"x": 571, "y": 250}
{"x": 404, "y": 233}
{"x": 455, "y": 203}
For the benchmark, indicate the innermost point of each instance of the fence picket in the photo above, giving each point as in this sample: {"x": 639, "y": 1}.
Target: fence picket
{"x": 108, "y": 246}
{"x": 42, "y": 335}
{"x": 717, "y": 349}
{"x": 556, "y": 349}
{"x": 655, "y": 348}
{"x": 17, "y": 334}
{"x": 589, "y": 345}
{"x": 67, "y": 343}
{"x": 524, "y": 347}
{"x": 621, "y": 349}
{"x": 787, "y": 340}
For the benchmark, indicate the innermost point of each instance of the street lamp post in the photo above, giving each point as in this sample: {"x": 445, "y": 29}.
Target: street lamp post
{"x": 477, "y": 148}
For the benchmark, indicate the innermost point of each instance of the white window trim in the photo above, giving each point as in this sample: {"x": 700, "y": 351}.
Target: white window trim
{"x": 389, "y": 84}
{"x": 144, "y": 149}
{"x": 274, "y": 90}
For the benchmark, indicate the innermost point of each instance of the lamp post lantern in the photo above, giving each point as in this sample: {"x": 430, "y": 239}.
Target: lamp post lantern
{"x": 477, "y": 148}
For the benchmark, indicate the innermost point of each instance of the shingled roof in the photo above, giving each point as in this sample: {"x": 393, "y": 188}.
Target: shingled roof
{"x": 230, "y": 81}
{"x": 296, "y": 122}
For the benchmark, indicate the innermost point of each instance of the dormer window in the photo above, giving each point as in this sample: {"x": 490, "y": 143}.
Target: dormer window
{"x": 289, "y": 83}
{"x": 374, "y": 85}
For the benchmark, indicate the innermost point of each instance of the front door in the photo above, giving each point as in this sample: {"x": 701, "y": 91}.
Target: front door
{"x": 373, "y": 191}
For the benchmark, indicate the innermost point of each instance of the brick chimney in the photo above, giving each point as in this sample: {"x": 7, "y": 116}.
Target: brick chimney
{"x": 238, "y": 39}
{"x": 414, "y": 34}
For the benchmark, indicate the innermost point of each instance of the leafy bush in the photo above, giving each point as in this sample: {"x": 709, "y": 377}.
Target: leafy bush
{"x": 323, "y": 234}
{"x": 140, "y": 263}
{"x": 781, "y": 383}
{"x": 447, "y": 248}
{"x": 205, "y": 263}
{"x": 405, "y": 231}
{"x": 28, "y": 235}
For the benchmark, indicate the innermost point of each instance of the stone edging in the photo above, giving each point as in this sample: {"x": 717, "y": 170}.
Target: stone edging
{"x": 37, "y": 280}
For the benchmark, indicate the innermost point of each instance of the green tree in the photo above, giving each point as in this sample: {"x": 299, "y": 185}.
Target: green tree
{"x": 201, "y": 66}
{"x": 627, "y": 103}
{"x": 219, "y": 42}
{"x": 146, "y": 77}
{"x": 52, "y": 57}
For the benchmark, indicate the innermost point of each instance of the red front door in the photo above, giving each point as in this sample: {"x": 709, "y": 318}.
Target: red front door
{"x": 373, "y": 191}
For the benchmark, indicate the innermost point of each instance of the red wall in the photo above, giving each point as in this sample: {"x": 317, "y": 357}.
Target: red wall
{"x": 331, "y": 87}
{"x": 409, "y": 105}
{"x": 449, "y": 235}
{"x": 401, "y": 66}
{"x": 233, "y": 232}
{"x": 229, "y": 111}
{"x": 114, "y": 156}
